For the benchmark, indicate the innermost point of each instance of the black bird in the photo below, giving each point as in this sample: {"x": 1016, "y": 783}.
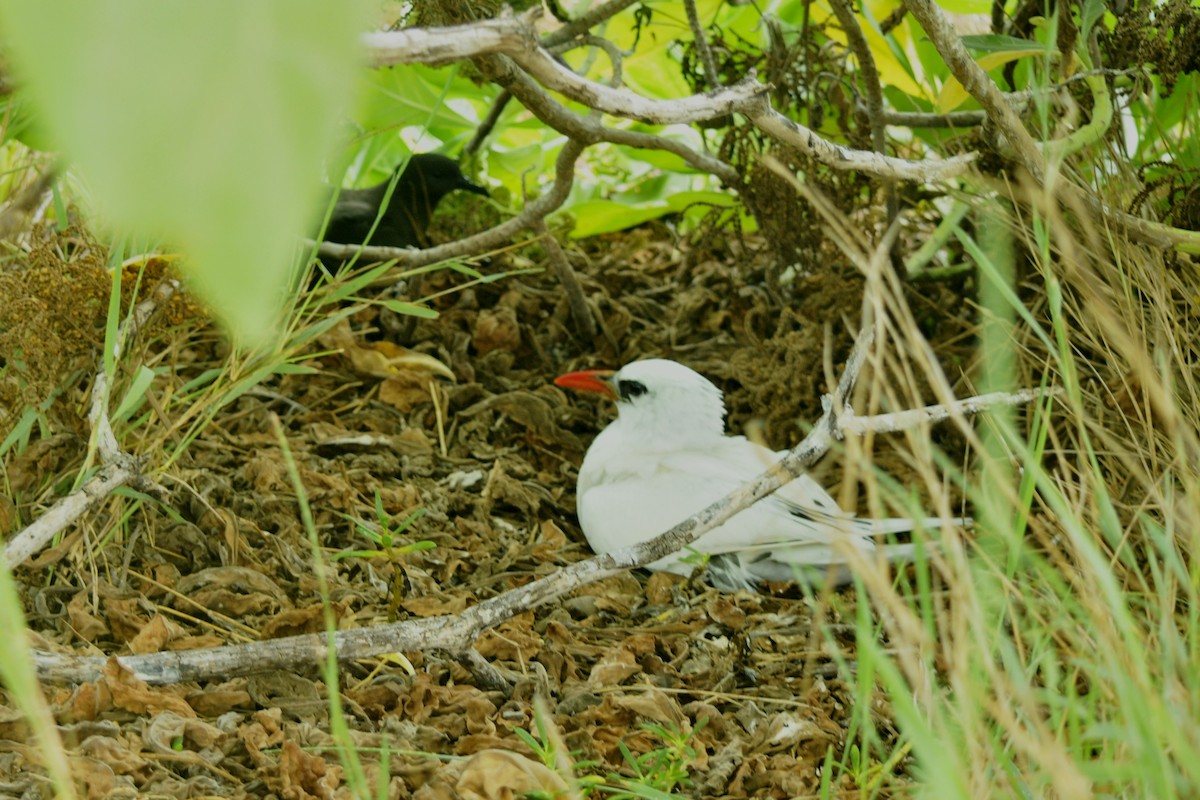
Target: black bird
{"x": 426, "y": 179}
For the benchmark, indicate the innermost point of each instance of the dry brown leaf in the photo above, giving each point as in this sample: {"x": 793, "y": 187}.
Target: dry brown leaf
{"x": 296, "y": 621}
{"x": 480, "y": 711}
{"x": 115, "y": 753}
{"x": 532, "y": 410}
{"x": 98, "y": 779}
{"x": 126, "y": 616}
{"x": 660, "y": 587}
{"x": 296, "y": 695}
{"x": 720, "y": 608}
{"x": 87, "y": 702}
{"x": 155, "y": 635}
{"x": 87, "y": 625}
{"x": 306, "y": 775}
{"x": 405, "y": 392}
{"x": 136, "y": 696}
{"x": 434, "y": 605}
{"x": 233, "y": 591}
{"x": 784, "y": 731}
{"x": 266, "y": 472}
{"x": 212, "y": 703}
{"x": 196, "y": 642}
{"x": 264, "y": 733}
{"x": 513, "y": 640}
{"x": 382, "y": 359}
{"x": 496, "y": 329}
{"x": 654, "y": 705}
{"x": 8, "y": 515}
{"x": 492, "y": 775}
{"x": 168, "y": 727}
{"x": 13, "y": 726}
{"x": 614, "y": 668}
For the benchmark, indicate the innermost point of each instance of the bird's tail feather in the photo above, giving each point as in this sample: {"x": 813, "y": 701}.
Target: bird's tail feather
{"x": 904, "y": 524}
{"x": 813, "y": 564}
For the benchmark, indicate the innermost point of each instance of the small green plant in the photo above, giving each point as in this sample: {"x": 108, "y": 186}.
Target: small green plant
{"x": 659, "y": 772}
{"x": 656, "y": 774}
{"x": 386, "y": 539}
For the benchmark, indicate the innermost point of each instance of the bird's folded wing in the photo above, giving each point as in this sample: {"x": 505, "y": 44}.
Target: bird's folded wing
{"x": 354, "y": 208}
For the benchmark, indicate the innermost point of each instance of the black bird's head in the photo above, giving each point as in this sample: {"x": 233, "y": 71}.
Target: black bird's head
{"x": 398, "y": 216}
{"x": 428, "y": 177}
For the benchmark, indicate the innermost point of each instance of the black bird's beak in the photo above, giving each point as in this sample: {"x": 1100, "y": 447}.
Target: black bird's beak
{"x": 467, "y": 186}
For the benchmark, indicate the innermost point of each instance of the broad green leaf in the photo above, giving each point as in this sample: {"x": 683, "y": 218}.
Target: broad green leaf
{"x": 412, "y": 108}
{"x": 205, "y": 124}
{"x": 966, "y": 6}
{"x": 892, "y": 70}
{"x": 681, "y": 200}
{"x": 604, "y": 216}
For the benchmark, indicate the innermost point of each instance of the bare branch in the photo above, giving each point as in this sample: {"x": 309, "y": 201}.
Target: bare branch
{"x": 589, "y": 130}
{"x": 922, "y": 119}
{"x": 1029, "y": 153}
{"x": 506, "y": 34}
{"x": 779, "y": 127}
{"x": 702, "y": 48}
{"x": 64, "y": 512}
{"x": 849, "y": 423}
{"x": 978, "y": 84}
{"x": 585, "y": 23}
{"x": 581, "y": 314}
{"x": 874, "y": 93}
{"x": 516, "y": 39}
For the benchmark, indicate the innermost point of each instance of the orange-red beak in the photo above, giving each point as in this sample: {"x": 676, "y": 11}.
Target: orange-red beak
{"x": 589, "y": 380}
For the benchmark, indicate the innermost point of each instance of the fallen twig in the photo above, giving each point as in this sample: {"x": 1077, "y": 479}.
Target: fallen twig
{"x": 457, "y": 633}
{"x": 118, "y": 467}
{"x": 581, "y": 314}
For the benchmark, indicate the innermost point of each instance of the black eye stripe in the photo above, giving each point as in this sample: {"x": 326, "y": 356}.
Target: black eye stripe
{"x": 630, "y": 389}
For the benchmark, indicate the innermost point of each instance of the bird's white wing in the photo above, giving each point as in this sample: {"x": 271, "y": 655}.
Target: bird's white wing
{"x": 627, "y": 498}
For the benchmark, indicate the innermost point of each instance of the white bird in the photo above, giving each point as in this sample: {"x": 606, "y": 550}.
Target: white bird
{"x": 666, "y": 456}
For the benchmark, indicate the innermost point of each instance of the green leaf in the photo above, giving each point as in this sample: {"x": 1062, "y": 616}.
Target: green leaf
{"x": 204, "y": 124}
{"x": 998, "y": 43}
{"x": 137, "y": 392}
{"x": 295, "y": 369}
{"x": 605, "y": 216}
{"x": 358, "y": 554}
{"x": 411, "y": 309}
{"x": 19, "y": 435}
{"x": 966, "y": 6}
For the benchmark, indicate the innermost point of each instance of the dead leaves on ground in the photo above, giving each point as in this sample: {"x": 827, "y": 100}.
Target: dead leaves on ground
{"x": 231, "y": 561}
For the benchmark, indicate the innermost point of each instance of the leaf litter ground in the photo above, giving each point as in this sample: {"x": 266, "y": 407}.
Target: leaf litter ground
{"x": 746, "y": 676}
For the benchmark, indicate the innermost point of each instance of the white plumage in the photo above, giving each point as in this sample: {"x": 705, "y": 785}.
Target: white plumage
{"x": 666, "y": 456}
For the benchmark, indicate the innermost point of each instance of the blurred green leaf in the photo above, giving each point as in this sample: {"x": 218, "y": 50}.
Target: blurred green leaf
{"x": 411, "y": 309}
{"x": 203, "y": 123}
{"x": 137, "y": 392}
{"x": 605, "y": 216}
{"x": 996, "y": 43}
